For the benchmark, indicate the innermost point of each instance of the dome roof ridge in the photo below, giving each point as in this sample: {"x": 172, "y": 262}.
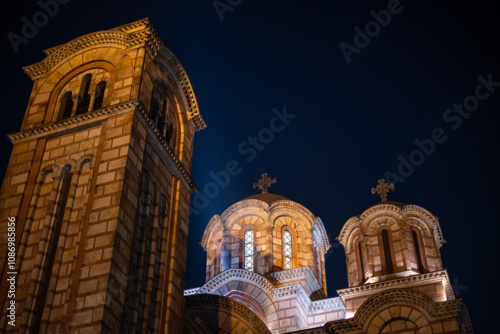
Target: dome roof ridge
{"x": 267, "y": 197}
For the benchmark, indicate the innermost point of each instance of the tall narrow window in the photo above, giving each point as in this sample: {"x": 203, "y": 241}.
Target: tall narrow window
{"x": 287, "y": 250}
{"x": 160, "y": 123}
{"x": 52, "y": 240}
{"x": 99, "y": 95}
{"x": 84, "y": 96}
{"x": 389, "y": 269}
{"x": 417, "y": 252}
{"x": 66, "y": 105}
{"x": 361, "y": 266}
{"x": 161, "y": 114}
{"x": 249, "y": 249}
{"x": 155, "y": 106}
{"x": 171, "y": 126}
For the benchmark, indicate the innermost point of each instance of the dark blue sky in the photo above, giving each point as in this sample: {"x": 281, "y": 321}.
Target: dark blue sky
{"x": 353, "y": 123}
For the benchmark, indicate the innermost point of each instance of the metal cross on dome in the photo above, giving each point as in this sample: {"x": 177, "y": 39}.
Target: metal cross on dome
{"x": 382, "y": 189}
{"x": 264, "y": 183}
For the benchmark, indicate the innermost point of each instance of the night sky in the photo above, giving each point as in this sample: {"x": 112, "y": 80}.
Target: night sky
{"x": 354, "y": 106}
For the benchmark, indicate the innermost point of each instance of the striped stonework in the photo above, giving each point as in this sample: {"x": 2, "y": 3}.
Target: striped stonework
{"x": 99, "y": 182}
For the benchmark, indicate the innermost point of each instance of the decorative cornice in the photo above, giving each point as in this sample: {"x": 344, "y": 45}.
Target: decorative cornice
{"x": 190, "y": 292}
{"x": 95, "y": 117}
{"x": 269, "y": 210}
{"x": 324, "y": 305}
{"x": 127, "y": 37}
{"x": 402, "y": 212}
{"x": 167, "y": 58}
{"x": 294, "y": 206}
{"x": 434, "y": 222}
{"x": 184, "y": 174}
{"x": 309, "y": 307}
{"x": 57, "y": 54}
{"x": 237, "y": 274}
{"x": 441, "y": 275}
{"x": 387, "y": 207}
{"x": 212, "y": 224}
{"x": 302, "y": 273}
{"x": 241, "y": 205}
{"x": 187, "y": 88}
{"x": 294, "y": 273}
{"x": 347, "y": 229}
{"x": 203, "y": 301}
{"x": 296, "y": 290}
{"x": 319, "y": 227}
{"x": 90, "y": 118}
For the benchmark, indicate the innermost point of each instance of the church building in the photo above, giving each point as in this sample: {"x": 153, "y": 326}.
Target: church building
{"x": 97, "y": 193}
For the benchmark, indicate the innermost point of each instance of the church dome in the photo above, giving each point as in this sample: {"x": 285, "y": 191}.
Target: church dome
{"x": 267, "y": 197}
{"x": 390, "y": 240}
{"x": 266, "y": 233}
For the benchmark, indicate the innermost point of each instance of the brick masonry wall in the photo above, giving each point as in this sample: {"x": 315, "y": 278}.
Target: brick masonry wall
{"x": 74, "y": 188}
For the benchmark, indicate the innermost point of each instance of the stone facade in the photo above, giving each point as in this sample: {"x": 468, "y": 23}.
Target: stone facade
{"x": 397, "y": 283}
{"x": 99, "y": 184}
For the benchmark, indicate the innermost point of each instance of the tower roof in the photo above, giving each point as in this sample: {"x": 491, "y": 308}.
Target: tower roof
{"x": 267, "y": 197}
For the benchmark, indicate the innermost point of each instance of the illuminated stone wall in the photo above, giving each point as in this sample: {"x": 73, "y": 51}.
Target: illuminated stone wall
{"x": 268, "y": 215}
{"x": 101, "y": 197}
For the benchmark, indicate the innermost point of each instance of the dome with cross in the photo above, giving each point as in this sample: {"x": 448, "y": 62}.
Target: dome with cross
{"x": 284, "y": 235}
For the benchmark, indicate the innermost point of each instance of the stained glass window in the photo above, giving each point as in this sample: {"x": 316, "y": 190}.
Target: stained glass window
{"x": 287, "y": 249}
{"x": 249, "y": 249}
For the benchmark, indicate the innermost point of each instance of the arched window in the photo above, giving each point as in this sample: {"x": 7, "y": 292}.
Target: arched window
{"x": 162, "y": 116}
{"x": 416, "y": 243}
{"x": 158, "y": 110}
{"x": 287, "y": 250}
{"x": 66, "y": 105}
{"x": 160, "y": 123}
{"x": 248, "y": 249}
{"x": 99, "y": 95}
{"x": 389, "y": 268}
{"x": 361, "y": 267}
{"x": 84, "y": 96}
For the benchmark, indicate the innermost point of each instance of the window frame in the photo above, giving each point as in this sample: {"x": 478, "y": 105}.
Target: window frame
{"x": 382, "y": 250}
{"x": 360, "y": 267}
{"x": 294, "y": 247}
{"x": 420, "y": 252}
{"x": 243, "y": 231}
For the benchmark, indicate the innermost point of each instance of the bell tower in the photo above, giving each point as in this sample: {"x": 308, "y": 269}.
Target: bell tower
{"x": 390, "y": 245}
{"x": 99, "y": 186}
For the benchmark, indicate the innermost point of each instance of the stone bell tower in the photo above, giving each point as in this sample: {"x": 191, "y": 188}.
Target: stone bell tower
{"x": 397, "y": 282}
{"x": 99, "y": 185}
